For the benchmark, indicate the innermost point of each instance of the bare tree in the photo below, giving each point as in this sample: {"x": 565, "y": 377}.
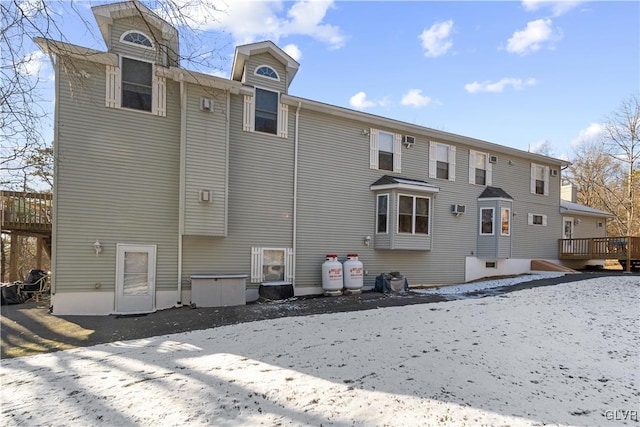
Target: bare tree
{"x": 622, "y": 142}
{"x": 25, "y": 155}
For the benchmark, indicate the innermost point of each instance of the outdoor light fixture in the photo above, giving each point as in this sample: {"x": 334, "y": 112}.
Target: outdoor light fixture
{"x": 97, "y": 247}
{"x": 367, "y": 240}
{"x": 365, "y": 132}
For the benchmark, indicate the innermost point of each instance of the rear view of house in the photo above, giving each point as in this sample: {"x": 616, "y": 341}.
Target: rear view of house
{"x": 163, "y": 174}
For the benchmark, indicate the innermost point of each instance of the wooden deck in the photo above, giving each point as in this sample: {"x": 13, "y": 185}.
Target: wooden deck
{"x": 625, "y": 249}
{"x": 24, "y": 214}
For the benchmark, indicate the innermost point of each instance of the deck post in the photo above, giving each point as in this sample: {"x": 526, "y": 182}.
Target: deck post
{"x": 629, "y": 243}
{"x": 14, "y": 254}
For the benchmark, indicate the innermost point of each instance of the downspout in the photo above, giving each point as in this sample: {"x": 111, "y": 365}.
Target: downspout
{"x": 295, "y": 193}
{"x": 53, "y": 264}
{"x": 183, "y": 150}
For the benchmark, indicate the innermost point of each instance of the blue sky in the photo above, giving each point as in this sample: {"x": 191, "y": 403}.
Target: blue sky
{"x": 512, "y": 73}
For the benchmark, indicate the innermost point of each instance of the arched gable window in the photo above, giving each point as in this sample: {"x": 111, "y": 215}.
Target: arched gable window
{"x": 266, "y": 71}
{"x": 136, "y": 37}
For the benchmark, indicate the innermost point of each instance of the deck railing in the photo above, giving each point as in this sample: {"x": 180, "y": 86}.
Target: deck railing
{"x": 612, "y": 247}
{"x": 26, "y": 212}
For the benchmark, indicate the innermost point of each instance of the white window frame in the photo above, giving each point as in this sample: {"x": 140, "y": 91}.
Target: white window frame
{"x": 113, "y": 89}
{"x": 255, "y": 72}
{"x": 545, "y": 179}
{"x": 374, "y": 150}
{"x": 433, "y": 160}
{"x": 249, "y": 115}
{"x": 388, "y": 196}
{"x": 257, "y": 263}
{"x": 502, "y": 212}
{"x": 493, "y": 221}
{"x": 413, "y": 215}
{"x": 531, "y": 216}
{"x": 126, "y": 33}
{"x": 488, "y": 167}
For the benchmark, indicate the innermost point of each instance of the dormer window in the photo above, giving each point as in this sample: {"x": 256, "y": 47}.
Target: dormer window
{"x": 266, "y": 71}
{"x": 136, "y": 37}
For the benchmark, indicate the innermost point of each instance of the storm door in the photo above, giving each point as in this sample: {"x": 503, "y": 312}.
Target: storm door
{"x": 135, "y": 278}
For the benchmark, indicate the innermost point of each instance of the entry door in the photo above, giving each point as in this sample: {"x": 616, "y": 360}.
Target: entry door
{"x": 567, "y": 233}
{"x": 135, "y": 279}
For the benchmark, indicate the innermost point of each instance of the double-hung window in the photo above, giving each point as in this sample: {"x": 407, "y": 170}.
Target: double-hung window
{"x": 413, "y": 214}
{"x": 136, "y": 85}
{"x": 442, "y": 161}
{"x": 385, "y": 150}
{"x": 480, "y": 169}
{"x": 382, "y": 214}
{"x": 539, "y": 179}
{"x": 505, "y": 221}
{"x": 263, "y": 112}
{"x": 486, "y": 221}
{"x": 266, "y": 111}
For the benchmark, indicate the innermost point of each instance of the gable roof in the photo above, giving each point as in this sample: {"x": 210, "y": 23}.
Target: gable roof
{"x": 494, "y": 193}
{"x": 105, "y": 14}
{"x": 567, "y": 207}
{"x": 245, "y": 51}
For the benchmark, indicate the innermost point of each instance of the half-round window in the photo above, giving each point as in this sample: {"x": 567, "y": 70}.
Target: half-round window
{"x": 136, "y": 38}
{"x": 267, "y": 71}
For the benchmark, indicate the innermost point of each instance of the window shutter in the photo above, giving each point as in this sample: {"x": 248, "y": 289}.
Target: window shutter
{"x": 373, "y": 148}
{"x": 112, "y": 99}
{"x": 546, "y": 180}
{"x": 544, "y": 220}
{"x": 530, "y": 219}
{"x": 433, "y": 161}
{"x": 256, "y": 265}
{"x": 159, "y": 96}
{"x": 452, "y": 163}
{"x": 489, "y": 171}
{"x": 288, "y": 261}
{"x": 532, "y": 188}
{"x": 283, "y": 121}
{"x": 472, "y": 167}
{"x": 397, "y": 153}
{"x": 249, "y": 113}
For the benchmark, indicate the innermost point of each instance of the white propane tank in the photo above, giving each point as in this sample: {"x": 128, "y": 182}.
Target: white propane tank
{"x": 332, "y": 274}
{"x": 353, "y": 272}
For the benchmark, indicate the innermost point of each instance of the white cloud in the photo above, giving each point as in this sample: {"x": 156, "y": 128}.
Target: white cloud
{"x": 499, "y": 86}
{"x": 557, "y": 7}
{"x": 359, "y": 101}
{"x": 415, "y": 98}
{"x": 436, "y": 40}
{"x": 33, "y": 64}
{"x": 293, "y": 51}
{"x": 591, "y": 134}
{"x": 249, "y": 21}
{"x": 532, "y": 38}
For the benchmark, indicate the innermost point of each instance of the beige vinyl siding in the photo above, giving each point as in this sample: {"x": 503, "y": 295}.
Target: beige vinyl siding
{"x": 587, "y": 227}
{"x": 117, "y": 171}
{"x": 205, "y": 163}
{"x": 264, "y": 82}
{"x": 260, "y": 202}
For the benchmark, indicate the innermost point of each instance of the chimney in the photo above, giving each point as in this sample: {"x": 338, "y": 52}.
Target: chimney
{"x": 569, "y": 193}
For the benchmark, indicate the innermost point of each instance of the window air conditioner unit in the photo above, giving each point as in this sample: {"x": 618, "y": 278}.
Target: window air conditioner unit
{"x": 458, "y": 209}
{"x": 554, "y": 172}
{"x": 408, "y": 140}
{"x": 493, "y": 159}
{"x": 207, "y": 104}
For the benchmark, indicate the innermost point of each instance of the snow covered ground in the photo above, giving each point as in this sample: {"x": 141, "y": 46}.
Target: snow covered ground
{"x": 565, "y": 354}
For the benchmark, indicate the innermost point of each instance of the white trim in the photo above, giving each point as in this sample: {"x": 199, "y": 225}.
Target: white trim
{"x": 408, "y": 187}
{"x": 126, "y": 302}
{"x": 487, "y": 167}
{"x": 373, "y": 148}
{"x": 493, "y": 221}
{"x": 433, "y": 161}
{"x": 545, "y": 179}
{"x": 159, "y": 96}
{"x": 256, "y": 265}
{"x": 397, "y": 153}
{"x": 257, "y": 262}
{"x": 113, "y": 88}
{"x": 249, "y": 113}
{"x": 283, "y": 120}
{"x": 530, "y": 219}
{"x": 126, "y": 33}
{"x": 255, "y": 72}
{"x": 413, "y": 215}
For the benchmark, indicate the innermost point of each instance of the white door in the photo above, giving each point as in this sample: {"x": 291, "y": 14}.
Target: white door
{"x": 135, "y": 279}
{"x": 567, "y": 233}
